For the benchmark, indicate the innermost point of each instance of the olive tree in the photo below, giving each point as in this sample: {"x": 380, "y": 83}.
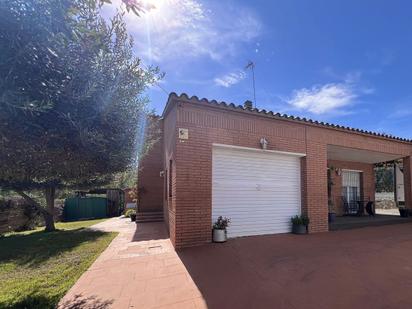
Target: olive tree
{"x": 71, "y": 99}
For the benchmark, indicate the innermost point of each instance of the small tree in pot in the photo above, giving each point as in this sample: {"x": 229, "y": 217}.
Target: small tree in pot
{"x": 300, "y": 224}
{"x": 219, "y": 229}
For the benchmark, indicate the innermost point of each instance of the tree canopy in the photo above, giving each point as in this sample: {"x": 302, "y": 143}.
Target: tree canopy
{"x": 384, "y": 176}
{"x": 70, "y": 95}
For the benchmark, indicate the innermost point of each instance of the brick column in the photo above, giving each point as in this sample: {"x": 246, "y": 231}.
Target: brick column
{"x": 315, "y": 187}
{"x": 407, "y": 179}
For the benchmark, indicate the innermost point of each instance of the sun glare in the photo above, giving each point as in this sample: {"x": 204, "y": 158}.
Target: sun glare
{"x": 153, "y": 6}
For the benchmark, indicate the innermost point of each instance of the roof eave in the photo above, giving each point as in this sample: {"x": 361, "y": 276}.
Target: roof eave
{"x": 173, "y": 97}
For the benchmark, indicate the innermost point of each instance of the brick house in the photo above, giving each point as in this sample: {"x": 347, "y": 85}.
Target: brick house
{"x": 211, "y": 161}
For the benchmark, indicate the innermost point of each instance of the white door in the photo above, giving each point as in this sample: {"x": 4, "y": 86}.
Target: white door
{"x": 258, "y": 190}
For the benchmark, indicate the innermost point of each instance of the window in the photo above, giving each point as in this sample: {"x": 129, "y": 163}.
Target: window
{"x": 351, "y": 191}
{"x": 170, "y": 177}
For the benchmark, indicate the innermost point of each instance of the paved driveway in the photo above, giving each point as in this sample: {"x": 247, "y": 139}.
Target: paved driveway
{"x": 363, "y": 268}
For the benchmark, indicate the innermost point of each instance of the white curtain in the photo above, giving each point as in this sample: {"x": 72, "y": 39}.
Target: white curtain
{"x": 351, "y": 185}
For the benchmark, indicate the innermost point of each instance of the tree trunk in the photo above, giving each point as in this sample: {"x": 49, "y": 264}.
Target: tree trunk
{"x": 49, "y": 213}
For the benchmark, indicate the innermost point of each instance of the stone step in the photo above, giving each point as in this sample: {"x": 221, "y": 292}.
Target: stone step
{"x": 154, "y": 216}
{"x": 149, "y": 220}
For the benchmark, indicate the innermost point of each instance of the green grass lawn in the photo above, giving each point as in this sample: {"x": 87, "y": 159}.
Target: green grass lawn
{"x": 38, "y": 268}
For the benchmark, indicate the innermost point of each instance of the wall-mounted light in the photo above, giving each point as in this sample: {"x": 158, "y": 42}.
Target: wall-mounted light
{"x": 183, "y": 133}
{"x": 162, "y": 173}
{"x": 263, "y": 143}
{"x": 337, "y": 170}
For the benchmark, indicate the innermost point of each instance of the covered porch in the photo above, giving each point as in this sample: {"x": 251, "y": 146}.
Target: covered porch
{"x": 351, "y": 187}
{"x": 353, "y": 222}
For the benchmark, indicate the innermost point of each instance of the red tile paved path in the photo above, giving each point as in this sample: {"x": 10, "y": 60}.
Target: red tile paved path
{"x": 139, "y": 269}
{"x": 362, "y": 268}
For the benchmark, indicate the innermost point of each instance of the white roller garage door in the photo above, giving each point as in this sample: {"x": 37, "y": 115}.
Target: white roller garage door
{"x": 259, "y": 190}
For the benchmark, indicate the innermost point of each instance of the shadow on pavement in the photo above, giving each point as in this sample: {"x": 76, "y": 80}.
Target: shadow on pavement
{"x": 91, "y": 302}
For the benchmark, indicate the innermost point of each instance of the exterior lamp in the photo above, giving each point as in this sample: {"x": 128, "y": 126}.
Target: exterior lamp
{"x": 263, "y": 143}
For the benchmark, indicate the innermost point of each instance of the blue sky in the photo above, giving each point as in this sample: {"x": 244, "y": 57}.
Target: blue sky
{"x": 346, "y": 62}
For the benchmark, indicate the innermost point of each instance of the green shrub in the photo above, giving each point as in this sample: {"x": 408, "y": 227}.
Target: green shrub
{"x": 129, "y": 212}
{"x": 300, "y": 220}
{"x": 221, "y": 223}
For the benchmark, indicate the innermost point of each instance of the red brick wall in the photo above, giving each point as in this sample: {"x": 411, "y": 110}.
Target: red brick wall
{"x": 169, "y": 144}
{"x": 194, "y": 160}
{"x": 150, "y": 184}
{"x": 189, "y": 209}
{"x": 367, "y": 181}
{"x": 407, "y": 175}
{"x": 316, "y": 189}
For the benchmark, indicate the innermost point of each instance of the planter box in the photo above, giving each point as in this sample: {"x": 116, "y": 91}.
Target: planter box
{"x": 299, "y": 229}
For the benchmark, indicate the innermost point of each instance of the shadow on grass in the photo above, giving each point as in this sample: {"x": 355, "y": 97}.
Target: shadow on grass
{"x": 77, "y": 302}
{"x": 31, "y": 249}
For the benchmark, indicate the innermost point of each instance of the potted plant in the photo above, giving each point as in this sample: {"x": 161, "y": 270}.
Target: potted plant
{"x": 131, "y": 213}
{"x": 403, "y": 211}
{"x": 219, "y": 229}
{"x": 300, "y": 224}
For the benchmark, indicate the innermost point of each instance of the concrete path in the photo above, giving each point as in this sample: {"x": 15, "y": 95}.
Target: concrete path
{"x": 139, "y": 269}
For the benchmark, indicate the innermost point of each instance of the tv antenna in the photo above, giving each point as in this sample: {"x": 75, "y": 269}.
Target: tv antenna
{"x": 251, "y": 65}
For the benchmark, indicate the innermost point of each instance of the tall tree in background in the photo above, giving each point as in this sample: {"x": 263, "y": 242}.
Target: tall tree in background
{"x": 70, "y": 98}
{"x": 384, "y": 178}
